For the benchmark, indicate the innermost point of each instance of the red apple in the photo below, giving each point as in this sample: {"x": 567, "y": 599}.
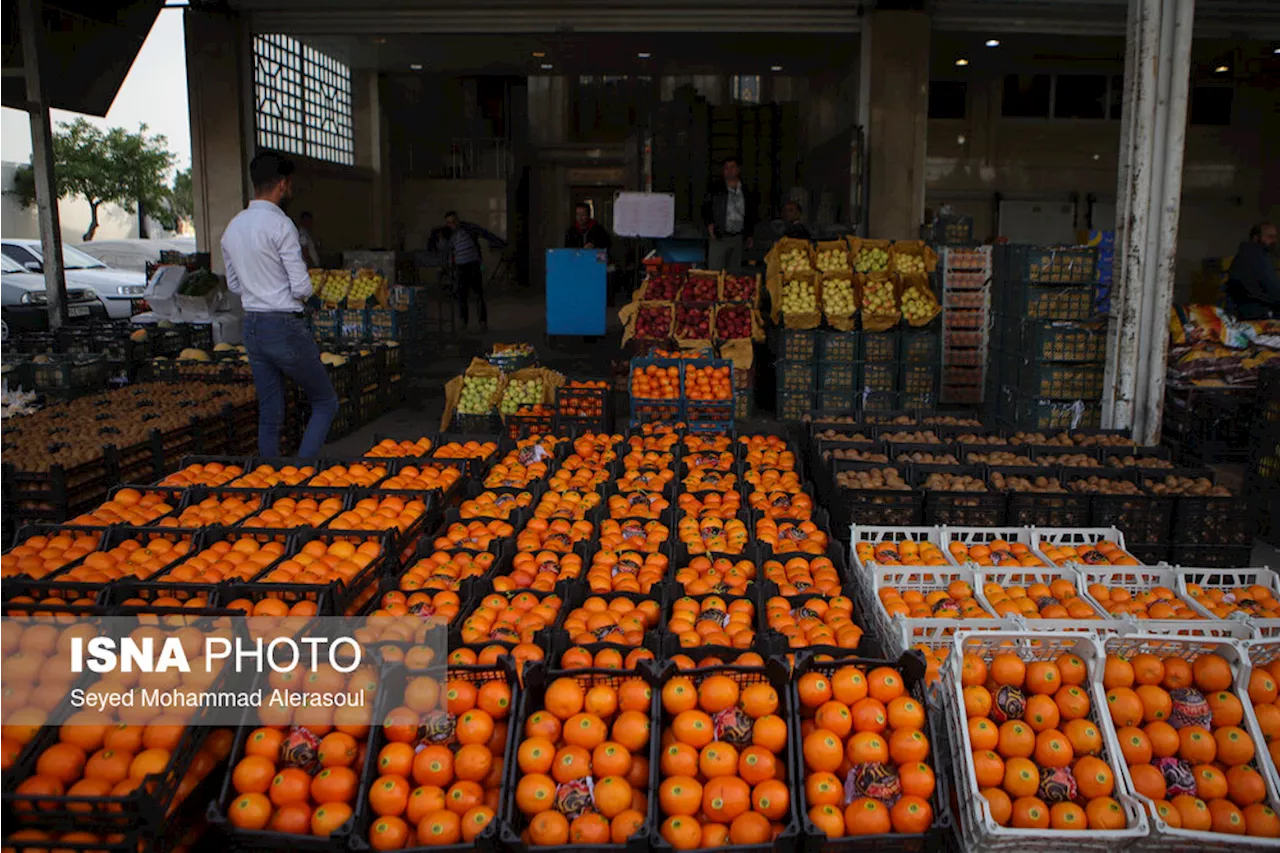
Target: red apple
{"x": 699, "y": 288}
{"x": 733, "y": 322}
{"x": 740, "y": 288}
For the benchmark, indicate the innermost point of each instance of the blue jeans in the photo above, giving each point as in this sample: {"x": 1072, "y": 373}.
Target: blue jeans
{"x": 281, "y": 345}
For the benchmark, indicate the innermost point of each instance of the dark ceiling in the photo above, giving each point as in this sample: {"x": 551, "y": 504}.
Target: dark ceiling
{"x": 90, "y": 46}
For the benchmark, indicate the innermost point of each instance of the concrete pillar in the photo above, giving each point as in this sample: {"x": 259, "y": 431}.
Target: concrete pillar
{"x": 897, "y": 90}
{"x": 217, "y": 63}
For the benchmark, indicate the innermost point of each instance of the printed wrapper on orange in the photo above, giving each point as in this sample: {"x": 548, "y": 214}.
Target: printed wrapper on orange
{"x": 714, "y": 275}
{"x": 841, "y": 246}
{"x": 725, "y": 296}
{"x": 858, "y": 244}
{"x": 551, "y": 380}
{"x": 630, "y": 313}
{"x": 757, "y": 322}
{"x": 919, "y": 284}
{"x": 914, "y": 249}
{"x": 803, "y": 319}
{"x": 453, "y": 389}
{"x": 773, "y": 260}
{"x": 884, "y": 320}
{"x": 844, "y": 323}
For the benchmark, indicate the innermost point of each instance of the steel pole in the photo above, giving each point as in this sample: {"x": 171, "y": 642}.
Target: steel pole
{"x": 1172, "y": 139}
{"x": 31, "y": 28}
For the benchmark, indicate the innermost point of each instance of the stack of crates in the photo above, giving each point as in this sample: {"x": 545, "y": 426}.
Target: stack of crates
{"x": 796, "y": 370}
{"x": 921, "y": 363}
{"x": 839, "y": 373}
{"x": 881, "y": 366}
{"x": 966, "y": 306}
{"x": 1048, "y": 347}
{"x": 1263, "y": 479}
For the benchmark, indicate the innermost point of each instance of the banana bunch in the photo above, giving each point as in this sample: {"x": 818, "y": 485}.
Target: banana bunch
{"x": 336, "y": 285}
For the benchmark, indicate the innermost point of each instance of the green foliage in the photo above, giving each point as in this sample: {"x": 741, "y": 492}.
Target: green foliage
{"x": 182, "y": 200}
{"x": 113, "y": 166}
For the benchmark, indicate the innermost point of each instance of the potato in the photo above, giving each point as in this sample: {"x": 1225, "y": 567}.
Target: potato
{"x": 854, "y": 455}
{"x": 1138, "y": 462}
{"x": 1000, "y": 457}
{"x": 1068, "y": 460}
{"x": 1040, "y": 485}
{"x": 875, "y": 479}
{"x": 948, "y": 420}
{"x": 1096, "y": 485}
{"x": 953, "y": 483}
{"x": 928, "y": 458}
{"x": 990, "y": 440}
{"x": 917, "y": 437}
{"x": 1200, "y": 487}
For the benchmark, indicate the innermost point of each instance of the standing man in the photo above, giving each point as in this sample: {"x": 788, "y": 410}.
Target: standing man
{"x": 1253, "y": 289}
{"x": 462, "y": 239}
{"x": 310, "y": 253}
{"x": 263, "y": 257}
{"x": 729, "y": 213}
{"x": 793, "y": 222}
{"x": 585, "y": 232}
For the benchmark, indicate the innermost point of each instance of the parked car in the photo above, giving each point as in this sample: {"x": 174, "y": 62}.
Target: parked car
{"x": 24, "y": 303}
{"x": 117, "y": 288}
{"x": 135, "y": 253}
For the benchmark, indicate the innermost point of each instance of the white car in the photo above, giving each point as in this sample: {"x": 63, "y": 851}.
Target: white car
{"x": 24, "y": 303}
{"x": 135, "y": 253}
{"x": 119, "y": 289}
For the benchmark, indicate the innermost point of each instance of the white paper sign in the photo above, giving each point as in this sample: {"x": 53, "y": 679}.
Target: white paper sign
{"x": 644, "y": 214}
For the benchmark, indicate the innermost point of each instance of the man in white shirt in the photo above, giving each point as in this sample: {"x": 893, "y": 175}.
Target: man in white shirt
{"x": 310, "y": 252}
{"x": 263, "y": 258}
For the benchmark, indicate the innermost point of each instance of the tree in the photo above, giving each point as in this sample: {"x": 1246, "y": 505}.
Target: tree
{"x": 102, "y": 167}
{"x": 182, "y": 200}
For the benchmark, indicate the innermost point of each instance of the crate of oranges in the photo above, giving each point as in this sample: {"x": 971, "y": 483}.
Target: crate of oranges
{"x": 581, "y": 774}
{"x": 992, "y": 547}
{"x": 440, "y": 758}
{"x": 872, "y": 775}
{"x": 1082, "y": 546}
{"x": 898, "y": 546}
{"x": 1037, "y": 764}
{"x": 1252, "y": 595}
{"x": 45, "y": 549}
{"x": 1047, "y": 599}
{"x": 727, "y": 759}
{"x": 1261, "y": 683}
{"x": 702, "y": 575}
{"x": 801, "y": 573}
{"x": 816, "y": 622}
{"x": 905, "y": 601}
{"x": 509, "y": 621}
{"x": 1151, "y": 598}
{"x": 433, "y": 569}
{"x": 541, "y": 571}
{"x": 721, "y": 621}
{"x": 627, "y": 571}
{"x": 1184, "y": 713}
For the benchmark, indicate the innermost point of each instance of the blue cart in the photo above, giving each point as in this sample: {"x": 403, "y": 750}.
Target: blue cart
{"x": 577, "y": 280}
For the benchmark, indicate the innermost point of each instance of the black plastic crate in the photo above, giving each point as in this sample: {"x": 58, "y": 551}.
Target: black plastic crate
{"x": 1222, "y": 521}
{"x": 1036, "y": 413}
{"x": 838, "y": 347}
{"x": 1048, "y": 264}
{"x": 838, "y": 376}
{"x": 1064, "y": 341}
{"x": 920, "y": 347}
{"x": 1053, "y": 380}
{"x": 835, "y": 402}
{"x": 1143, "y": 519}
{"x": 524, "y": 423}
{"x": 880, "y": 376}
{"x": 880, "y": 401}
{"x": 1038, "y": 302}
{"x": 880, "y": 346}
{"x": 919, "y": 379}
{"x": 796, "y": 375}
{"x": 797, "y": 344}
{"x": 65, "y": 376}
{"x": 1149, "y": 555}
{"x": 960, "y": 509}
{"x": 1210, "y": 556}
{"x": 794, "y": 405}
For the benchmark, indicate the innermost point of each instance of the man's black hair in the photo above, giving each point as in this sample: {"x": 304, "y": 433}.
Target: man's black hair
{"x": 449, "y": 213}
{"x": 583, "y": 205}
{"x": 726, "y": 161}
{"x": 1255, "y": 233}
{"x": 267, "y": 168}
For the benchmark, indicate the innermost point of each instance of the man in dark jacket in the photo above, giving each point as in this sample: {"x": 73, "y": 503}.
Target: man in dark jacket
{"x": 1253, "y": 288}
{"x": 729, "y": 214}
{"x": 585, "y": 232}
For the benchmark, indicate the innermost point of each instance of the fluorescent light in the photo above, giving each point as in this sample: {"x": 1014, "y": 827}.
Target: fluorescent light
{"x": 1276, "y": 51}
{"x": 775, "y": 67}
{"x": 993, "y": 42}
{"x": 538, "y": 54}
{"x": 961, "y": 63}
{"x": 547, "y": 66}
{"x": 644, "y": 54}
{"x": 415, "y": 66}
{"x": 1221, "y": 69}
{"x": 1097, "y": 156}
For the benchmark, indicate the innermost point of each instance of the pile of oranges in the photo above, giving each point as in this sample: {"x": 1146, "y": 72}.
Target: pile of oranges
{"x": 617, "y": 619}
{"x": 709, "y": 480}
{"x": 569, "y": 504}
{"x": 716, "y": 504}
{"x": 580, "y": 657}
{"x": 712, "y": 535}
{"x": 512, "y": 620}
{"x": 1158, "y": 602}
{"x": 655, "y": 383}
{"x": 440, "y": 765}
{"x": 645, "y": 536}
{"x": 266, "y": 476}
{"x": 803, "y": 575}
{"x": 494, "y": 505}
{"x": 1102, "y": 553}
{"x": 1256, "y": 600}
{"x": 790, "y": 537}
{"x": 817, "y": 621}
{"x": 321, "y": 561}
{"x": 638, "y": 505}
{"x": 1038, "y": 754}
{"x": 299, "y": 773}
{"x": 559, "y": 535}
{"x": 540, "y": 571}
{"x": 422, "y": 478}
{"x": 643, "y": 480}
{"x": 707, "y": 383}
{"x": 216, "y": 509}
{"x": 474, "y": 536}
{"x": 1266, "y": 703}
{"x": 129, "y": 506}
{"x": 207, "y": 474}
{"x": 955, "y": 601}
{"x": 583, "y": 760}
{"x": 775, "y": 505}
{"x": 713, "y": 620}
{"x": 577, "y": 479}
{"x": 626, "y": 571}
{"x": 722, "y": 761}
{"x": 389, "y": 448}
{"x": 1183, "y": 735}
{"x": 380, "y": 514}
{"x": 908, "y": 552}
{"x": 229, "y": 559}
{"x": 998, "y": 552}
{"x": 767, "y": 451}
{"x": 40, "y": 555}
{"x": 287, "y": 513}
{"x": 445, "y": 570}
{"x": 341, "y": 476}
{"x": 139, "y": 558}
{"x": 718, "y": 575}
{"x": 865, "y": 751}
{"x": 465, "y": 450}
{"x": 1058, "y": 599}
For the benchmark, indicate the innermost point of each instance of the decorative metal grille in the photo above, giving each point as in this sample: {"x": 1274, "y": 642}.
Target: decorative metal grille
{"x": 302, "y": 100}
